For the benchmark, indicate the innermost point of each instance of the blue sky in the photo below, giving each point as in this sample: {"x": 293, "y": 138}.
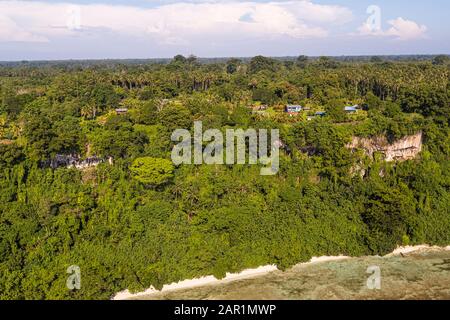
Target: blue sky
{"x": 82, "y": 29}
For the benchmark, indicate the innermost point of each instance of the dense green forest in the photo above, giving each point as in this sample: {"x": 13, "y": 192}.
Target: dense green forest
{"x": 136, "y": 220}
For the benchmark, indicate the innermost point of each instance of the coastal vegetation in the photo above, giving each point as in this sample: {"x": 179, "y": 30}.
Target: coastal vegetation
{"x": 137, "y": 220}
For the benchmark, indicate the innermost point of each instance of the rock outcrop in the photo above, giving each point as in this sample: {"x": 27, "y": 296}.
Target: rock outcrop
{"x": 74, "y": 161}
{"x": 406, "y": 148}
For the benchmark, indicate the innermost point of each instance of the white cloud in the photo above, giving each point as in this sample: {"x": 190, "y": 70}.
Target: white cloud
{"x": 317, "y": 13}
{"x": 173, "y": 23}
{"x": 401, "y": 29}
{"x": 406, "y": 29}
{"x": 10, "y": 31}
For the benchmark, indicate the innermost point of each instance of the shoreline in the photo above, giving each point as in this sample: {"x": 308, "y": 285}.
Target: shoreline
{"x": 260, "y": 271}
{"x": 409, "y": 249}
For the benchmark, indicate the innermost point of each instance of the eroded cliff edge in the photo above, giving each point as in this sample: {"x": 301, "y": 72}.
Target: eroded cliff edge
{"x": 406, "y": 148}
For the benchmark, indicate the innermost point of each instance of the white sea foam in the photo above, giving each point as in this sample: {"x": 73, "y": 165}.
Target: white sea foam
{"x": 250, "y": 273}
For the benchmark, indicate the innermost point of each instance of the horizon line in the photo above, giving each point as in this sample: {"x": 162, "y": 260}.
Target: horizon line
{"x": 226, "y": 57}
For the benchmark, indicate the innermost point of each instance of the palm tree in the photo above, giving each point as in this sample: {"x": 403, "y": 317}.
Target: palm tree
{"x": 89, "y": 111}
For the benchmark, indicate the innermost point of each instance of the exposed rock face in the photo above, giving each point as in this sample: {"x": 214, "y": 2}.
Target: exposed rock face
{"x": 74, "y": 161}
{"x": 406, "y": 148}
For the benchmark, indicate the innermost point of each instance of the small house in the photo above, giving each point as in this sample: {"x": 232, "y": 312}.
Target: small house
{"x": 293, "y": 109}
{"x": 121, "y": 111}
{"x": 320, "y": 114}
{"x": 351, "y": 109}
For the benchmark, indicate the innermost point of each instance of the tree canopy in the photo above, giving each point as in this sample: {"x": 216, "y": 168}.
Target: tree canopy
{"x": 131, "y": 219}
{"x": 152, "y": 171}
